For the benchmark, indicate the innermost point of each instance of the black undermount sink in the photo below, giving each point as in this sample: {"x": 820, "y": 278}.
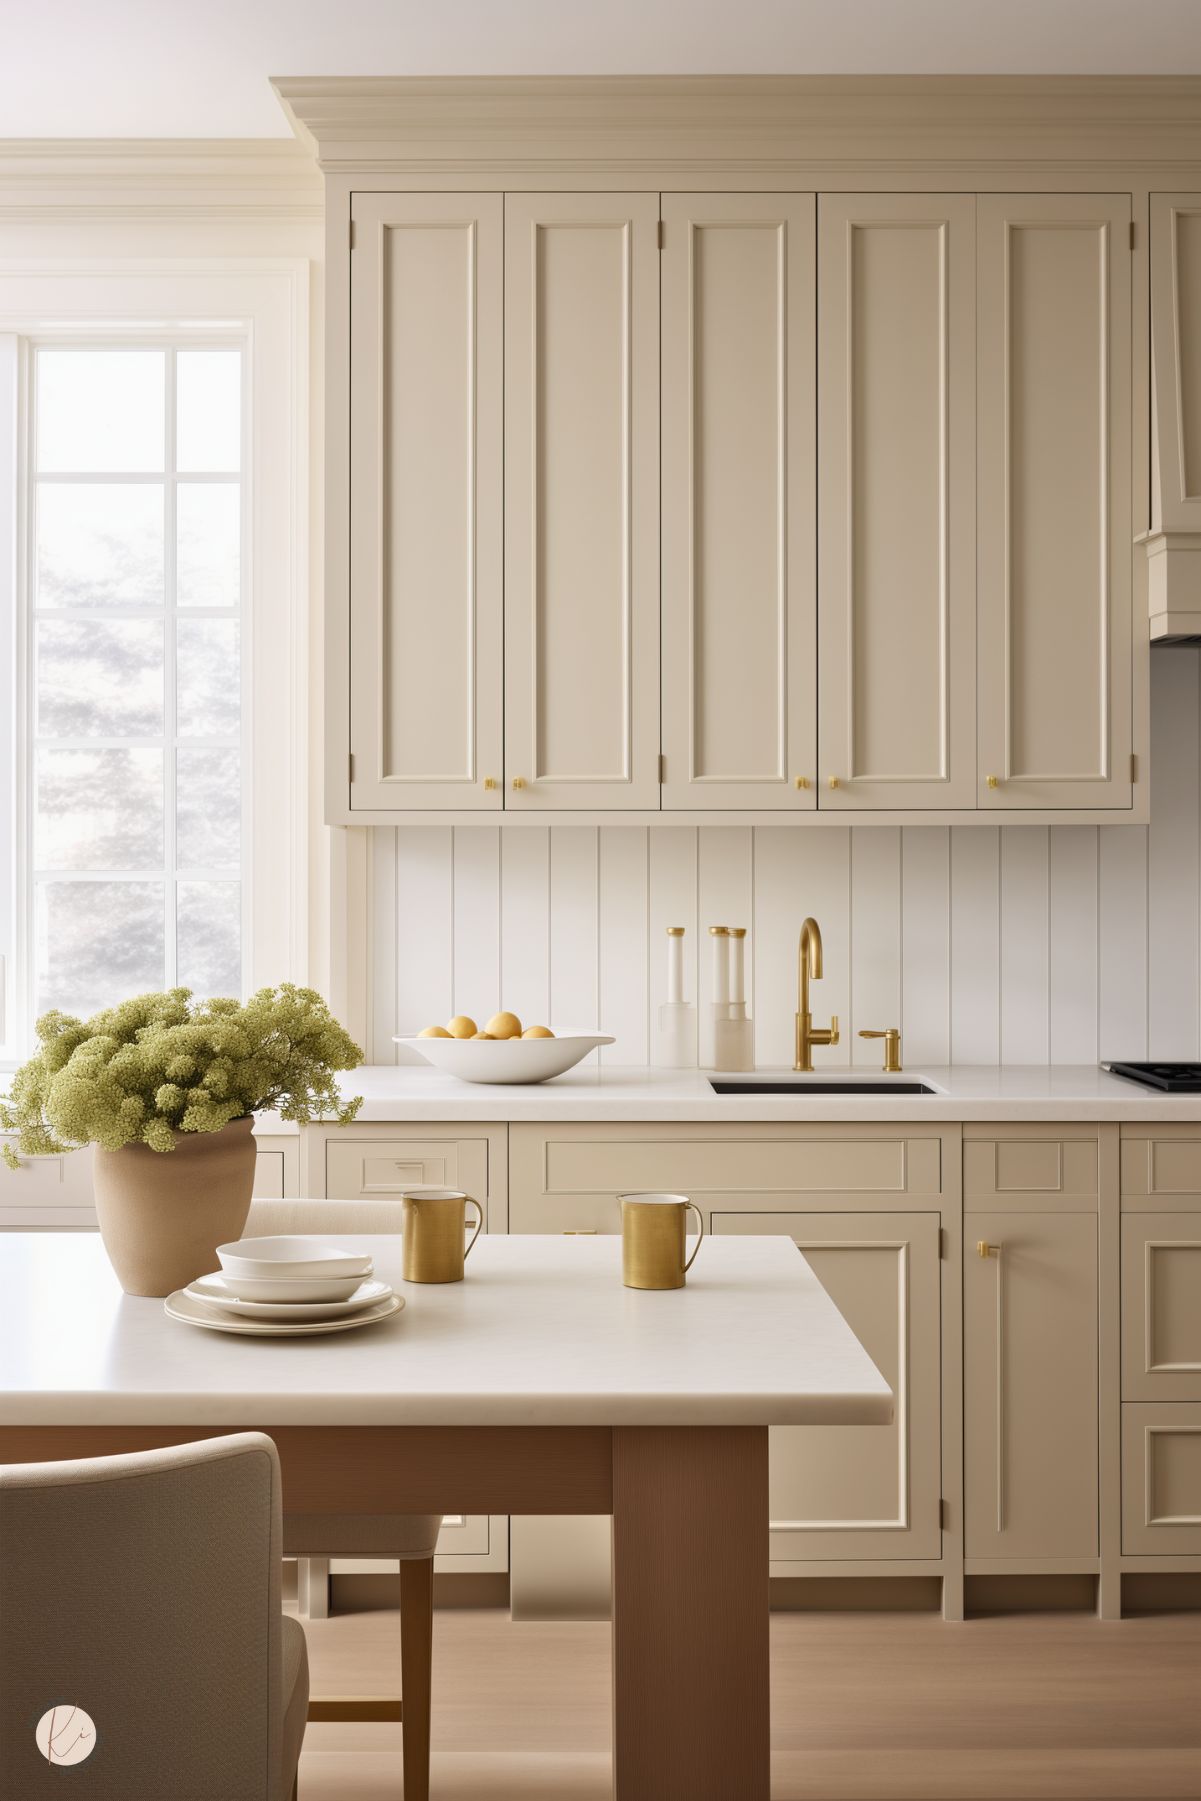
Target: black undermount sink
{"x": 819, "y": 1085}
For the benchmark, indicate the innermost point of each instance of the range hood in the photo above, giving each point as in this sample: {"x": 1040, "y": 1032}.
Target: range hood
{"x": 1173, "y": 545}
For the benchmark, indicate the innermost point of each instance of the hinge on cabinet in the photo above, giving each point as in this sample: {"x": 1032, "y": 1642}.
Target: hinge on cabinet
{"x": 662, "y": 233}
{"x": 350, "y": 234}
{"x": 662, "y": 769}
{"x": 942, "y": 1515}
{"x": 942, "y": 1241}
{"x": 1133, "y": 766}
{"x": 1132, "y": 232}
{"x": 350, "y": 767}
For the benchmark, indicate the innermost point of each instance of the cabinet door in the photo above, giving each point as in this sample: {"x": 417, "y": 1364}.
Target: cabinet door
{"x": 1176, "y": 350}
{"x": 739, "y": 495}
{"x": 426, "y": 488}
{"x": 1030, "y": 1385}
{"x": 896, "y": 462}
{"x": 581, "y": 500}
{"x": 850, "y": 1492}
{"x": 1161, "y": 1307}
{"x": 1055, "y": 665}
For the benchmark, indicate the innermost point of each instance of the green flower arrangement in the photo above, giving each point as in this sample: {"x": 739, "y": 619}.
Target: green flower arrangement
{"x": 160, "y": 1064}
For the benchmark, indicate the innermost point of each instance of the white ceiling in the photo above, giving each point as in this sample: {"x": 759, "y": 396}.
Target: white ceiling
{"x": 199, "y": 68}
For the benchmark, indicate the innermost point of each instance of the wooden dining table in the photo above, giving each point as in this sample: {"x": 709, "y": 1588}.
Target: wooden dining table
{"x": 539, "y": 1385}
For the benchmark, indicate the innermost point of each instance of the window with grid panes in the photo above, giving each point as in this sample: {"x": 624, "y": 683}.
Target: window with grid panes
{"x": 136, "y": 692}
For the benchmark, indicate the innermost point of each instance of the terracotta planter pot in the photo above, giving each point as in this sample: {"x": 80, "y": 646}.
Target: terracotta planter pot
{"x": 162, "y": 1214}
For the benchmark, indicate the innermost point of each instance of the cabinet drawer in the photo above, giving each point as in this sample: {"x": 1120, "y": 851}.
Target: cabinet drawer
{"x": 1161, "y": 1307}
{"x": 1162, "y": 1171}
{"x": 387, "y": 1166}
{"x": 1012, "y": 1174}
{"x": 1161, "y": 1479}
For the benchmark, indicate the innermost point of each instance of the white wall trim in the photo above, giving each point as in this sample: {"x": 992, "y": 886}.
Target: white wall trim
{"x": 58, "y": 179}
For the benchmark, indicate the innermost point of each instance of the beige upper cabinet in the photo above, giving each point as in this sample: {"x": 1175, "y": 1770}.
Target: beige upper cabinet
{"x": 426, "y": 531}
{"x": 1176, "y": 348}
{"x": 1054, "y": 358}
{"x": 897, "y": 570}
{"x": 581, "y": 500}
{"x": 739, "y": 496}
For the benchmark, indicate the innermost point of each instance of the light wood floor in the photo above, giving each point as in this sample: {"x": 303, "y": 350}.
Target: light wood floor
{"x": 878, "y": 1707}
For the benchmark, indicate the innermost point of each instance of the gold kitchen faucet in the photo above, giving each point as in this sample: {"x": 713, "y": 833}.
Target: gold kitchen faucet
{"x": 809, "y": 968}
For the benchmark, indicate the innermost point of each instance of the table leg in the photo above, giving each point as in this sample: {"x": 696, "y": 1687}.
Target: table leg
{"x": 690, "y": 1614}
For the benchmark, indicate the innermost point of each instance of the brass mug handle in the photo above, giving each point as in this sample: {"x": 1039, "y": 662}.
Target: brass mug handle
{"x": 700, "y": 1230}
{"x": 479, "y": 1224}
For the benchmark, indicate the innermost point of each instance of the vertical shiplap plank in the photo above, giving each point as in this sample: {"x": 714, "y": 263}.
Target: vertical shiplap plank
{"x": 1173, "y": 867}
{"x": 525, "y": 924}
{"x": 1073, "y": 967}
{"x": 1122, "y": 935}
{"x": 875, "y": 938}
{"x": 824, "y": 890}
{"x": 382, "y": 985}
{"x": 926, "y": 944}
{"x": 724, "y": 897}
{"x": 778, "y": 852}
{"x": 477, "y": 921}
{"x": 574, "y": 929}
{"x": 1025, "y": 1015}
{"x": 671, "y": 854}
{"x": 423, "y": 929}
{"x": 622, "y": 960}
{"x": 975, "y": 944}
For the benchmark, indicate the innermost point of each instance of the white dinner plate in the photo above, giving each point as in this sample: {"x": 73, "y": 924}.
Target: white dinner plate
{"x": 212, "y": 1318}
{"x": 213, "y": 1289}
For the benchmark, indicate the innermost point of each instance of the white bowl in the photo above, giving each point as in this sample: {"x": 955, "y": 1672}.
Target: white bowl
{"x": 506, "y": 1059}
{"x": 290, "y": 1256}
{"x": 291, "y": 1289}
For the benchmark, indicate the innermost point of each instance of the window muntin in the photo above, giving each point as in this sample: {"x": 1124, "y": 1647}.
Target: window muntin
{"x": 137, "y": 713}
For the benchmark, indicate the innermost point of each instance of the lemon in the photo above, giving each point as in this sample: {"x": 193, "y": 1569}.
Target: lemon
{"x": 433, "y": 1032}
{"x": 537, "y": 1032}
{"x": 488, "y": 1035}
{"x": 503, "y": 1025}
{"x": 461, "y": 1027}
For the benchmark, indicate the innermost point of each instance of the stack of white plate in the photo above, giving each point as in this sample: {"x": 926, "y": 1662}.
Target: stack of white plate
{"x": 273, "y": 1287}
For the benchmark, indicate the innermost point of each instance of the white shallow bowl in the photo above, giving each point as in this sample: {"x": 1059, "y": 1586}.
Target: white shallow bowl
{"x": 290, "y": 1256}
{"x": 506, "y": 1059}
{"x": 216, "y": 1290}
{"x": 291, "y": 1289}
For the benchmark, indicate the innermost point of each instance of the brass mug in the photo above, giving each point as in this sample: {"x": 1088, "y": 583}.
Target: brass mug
{"x": 435, "y": 1220}
{"x": 652, "y": 1239}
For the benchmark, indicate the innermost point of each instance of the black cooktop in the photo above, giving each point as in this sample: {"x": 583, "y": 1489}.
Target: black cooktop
{"x": 1170, "y": 1078}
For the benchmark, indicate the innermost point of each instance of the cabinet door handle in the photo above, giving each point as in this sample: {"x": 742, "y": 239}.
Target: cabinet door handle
{"x": 489, "y": 784}
{"x": 986, "y": 1250}
{"x": 801, "y": 781}
{"x": 519, "y": 781}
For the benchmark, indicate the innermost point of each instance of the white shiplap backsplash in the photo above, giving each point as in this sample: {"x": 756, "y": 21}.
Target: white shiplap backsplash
{"x": 1014, "y": 944}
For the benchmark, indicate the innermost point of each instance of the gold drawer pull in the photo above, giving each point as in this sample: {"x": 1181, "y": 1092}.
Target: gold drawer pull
{"x": 580, "y": 1232}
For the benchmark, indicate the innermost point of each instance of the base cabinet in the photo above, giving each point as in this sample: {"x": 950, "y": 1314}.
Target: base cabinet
{"x": 1030, "y": 1385}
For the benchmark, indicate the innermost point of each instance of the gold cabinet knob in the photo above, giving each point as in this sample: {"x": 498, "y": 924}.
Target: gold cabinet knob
{"x": 489, "y": 784}
{"x": 801, "y": 781}
{"x": 833, "y": 781}
{"x": 994, "y": 781}
{"x": 519, "y": 781}
{"x": 984, "y": 1249}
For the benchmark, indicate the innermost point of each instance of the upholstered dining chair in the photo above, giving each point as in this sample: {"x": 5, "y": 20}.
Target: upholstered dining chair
{"x": 409, "y": 1539}
{"x": 140, "y": 1610}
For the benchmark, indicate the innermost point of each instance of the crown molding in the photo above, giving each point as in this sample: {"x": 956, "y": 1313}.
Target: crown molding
{"x": 170, "y": 178}
{"x": 743, "y": 124}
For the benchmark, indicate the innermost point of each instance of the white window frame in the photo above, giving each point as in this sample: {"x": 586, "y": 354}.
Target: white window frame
{"x": 263, "y": 306}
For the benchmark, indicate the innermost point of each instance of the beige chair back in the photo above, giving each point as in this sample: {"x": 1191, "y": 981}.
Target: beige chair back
{"x": 267, "y": 1218}
{"x": 145, "y": 1590}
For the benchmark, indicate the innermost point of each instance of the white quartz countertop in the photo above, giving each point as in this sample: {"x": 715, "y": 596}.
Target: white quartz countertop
{"x": 541, "y": 1332}
{"x": 963, "y": 1092}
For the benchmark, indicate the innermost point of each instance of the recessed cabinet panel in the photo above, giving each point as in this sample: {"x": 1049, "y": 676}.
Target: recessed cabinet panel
{"x": 1161, "y": 1479}
{"x": 739, "y": 700}
{"x": 1054, "y": 500}
{"x": 864, "y": 1491}
{"x": 582, "y": 500}
{"x": 426, "y": 501}
{"x": 1176, "y": 347}
{"x": 1161, "y": 1307}
{"x": 897, "y": 485}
